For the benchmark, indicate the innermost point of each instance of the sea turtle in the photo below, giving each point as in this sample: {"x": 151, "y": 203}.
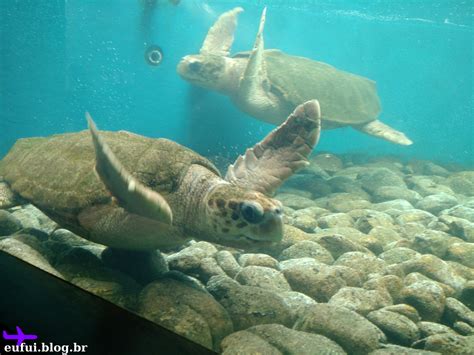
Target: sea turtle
{"x": 269, "y": 84}
{"x": 145, "y": 194}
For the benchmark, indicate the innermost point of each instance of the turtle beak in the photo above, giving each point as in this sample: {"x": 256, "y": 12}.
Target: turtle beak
{"x": 271, "y": 228}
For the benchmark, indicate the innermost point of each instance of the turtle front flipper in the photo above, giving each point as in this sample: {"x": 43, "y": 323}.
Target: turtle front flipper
{"x": 378, "y": 129}
{"x": 254, "y": 96}
{"x": 131, "y": 194}
{"x": 281, "y": 153}
{"x": 220, "y": 36}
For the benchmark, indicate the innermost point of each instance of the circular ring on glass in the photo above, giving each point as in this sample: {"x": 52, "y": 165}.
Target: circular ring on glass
{"x": 153, "y": 55}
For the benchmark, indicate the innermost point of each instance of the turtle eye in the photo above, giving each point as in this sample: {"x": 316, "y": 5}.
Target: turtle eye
{"x": 195, "y": 66}
{"x": 252, "y": 212}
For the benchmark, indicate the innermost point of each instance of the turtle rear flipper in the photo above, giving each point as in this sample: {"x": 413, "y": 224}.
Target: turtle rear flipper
{"x": 220, "y": 36}
{"x": 378, "y": 129}
{"x": 116, "y": 227}
{"x": 131, "y": 194}
{"x": 281, "y": 153}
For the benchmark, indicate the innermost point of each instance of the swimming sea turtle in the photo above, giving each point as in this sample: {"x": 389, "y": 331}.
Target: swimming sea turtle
{"x": 269, "y": 84}
{"x": 149, "y": 193}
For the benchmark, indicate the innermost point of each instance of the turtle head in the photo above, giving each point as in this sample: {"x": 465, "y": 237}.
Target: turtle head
{"x": 212, "y": 68}
{"x": 242, "y": 218}
{"x": 204, "y": 70}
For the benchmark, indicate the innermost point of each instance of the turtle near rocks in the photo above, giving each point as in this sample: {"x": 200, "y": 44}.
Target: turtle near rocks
{"x": 146, "y": 194}
{"x": 269, "y": 84}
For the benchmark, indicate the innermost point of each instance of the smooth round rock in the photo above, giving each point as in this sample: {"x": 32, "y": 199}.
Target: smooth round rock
{"x": 425, "y": 167}
{"x": 398, "y": 255}
{"x": 186, "y": 310}
{"x": 415, "y": 277}
{"x": 329, "y": 162}
{"x": 373, "y": 179}
{"x": 416, "y": 216}
{"x": 436, "y": 269}
{"x": 427, "y": 297}
{"x": 431, "y": 328}
{"x": 276, "y": 339}
{"x": 387, "y": 283}
{"x": 398, "y": 205}
{"x": 426, "y": 185}
{"x": 338, "y": 244}
{"x": 372, "y": 219}
{"x": 208, "y": 268}
{"x": 258, "y": 260}
{"x": 347, "y": 328}
{"x": 398, "y": 328}
{"x": 335, "y": 220}
{"x": 120, "y": 291}
{"x": 460, "y": 211}
{"x": 9, "y": 224}
{"x": 310, "y": 183}
{"x": 298, "y": 302}
{"x": 32, "y": 217}
{"x": 228, "y": 263}
{"x": 405, "y": 310}
{"x": 319, "y": 283}
{"x": 456, "y": 311}
{"x": 462, "y": 253}
{"x": 294, "y": 201}
{"x": 391, "y": 349}
{"x": 361, "y": 300}
{"x": 459, "y": 227}
{"x": 467, "y": 294}
{"x": 249, "y": 305}
{"x": 291, "y": 235}
{"x": 190, "y": 257}
{"x": 263, "y": 277}
{"x": 307, "y": 249}
{"x": 364, "y": 263}
{"x": 462, "y": 183}
{"x": 388, "y": 193}
{"x": 142, "y": 266}
{"x": 433, "y": 242}
{"x": 448, "y": 343}
{"x": 437, "y": 203}
{"x": 463, "y": 328}
{"x": 27, "y": 254}
{"x": 342, "y": 204}
{"x": 7, "y": 198}
{"x": 305, "y": 223}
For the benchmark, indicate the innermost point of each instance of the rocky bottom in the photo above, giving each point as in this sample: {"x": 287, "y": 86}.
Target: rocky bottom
{"x": 377, "y": 257}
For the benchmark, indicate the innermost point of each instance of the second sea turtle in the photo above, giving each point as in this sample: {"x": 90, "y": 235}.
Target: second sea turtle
{"x": 269, "y": 84}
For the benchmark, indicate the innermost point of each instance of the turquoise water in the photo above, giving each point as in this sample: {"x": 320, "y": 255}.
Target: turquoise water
{"x": 61, "y": 58}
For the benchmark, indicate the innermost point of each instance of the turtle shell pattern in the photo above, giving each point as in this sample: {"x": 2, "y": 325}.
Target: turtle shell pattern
{"x": 345, "y": 98}
{"x": 57, "y": 173}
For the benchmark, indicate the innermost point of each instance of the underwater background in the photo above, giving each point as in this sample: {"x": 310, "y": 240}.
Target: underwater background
{"x": 59, "y": 59}
{"x": 377, "y": 248}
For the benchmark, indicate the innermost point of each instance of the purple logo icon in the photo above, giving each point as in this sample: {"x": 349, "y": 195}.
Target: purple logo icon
{"x": 20, "y": 337}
